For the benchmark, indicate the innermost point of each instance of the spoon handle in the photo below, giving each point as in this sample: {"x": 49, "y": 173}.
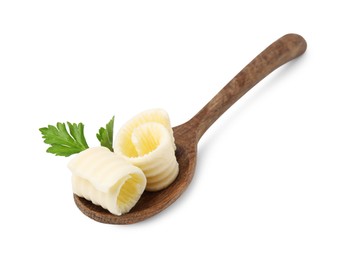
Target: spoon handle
{"x": 278, "y": 53}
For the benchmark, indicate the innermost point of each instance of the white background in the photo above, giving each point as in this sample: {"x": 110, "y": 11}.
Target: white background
{"x": 271, "y": 176}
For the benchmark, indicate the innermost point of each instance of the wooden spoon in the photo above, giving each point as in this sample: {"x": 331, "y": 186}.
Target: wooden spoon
{"x": 188, "y": 134}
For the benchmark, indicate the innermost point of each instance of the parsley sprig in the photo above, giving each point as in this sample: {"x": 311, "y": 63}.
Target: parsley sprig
{"x": 67, "y": 140}
{"x": 105, "y": 135}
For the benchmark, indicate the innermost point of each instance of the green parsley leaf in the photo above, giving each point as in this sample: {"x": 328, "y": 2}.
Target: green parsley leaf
{"x": 63, "y": 142}
{"x": 105, "y": 135}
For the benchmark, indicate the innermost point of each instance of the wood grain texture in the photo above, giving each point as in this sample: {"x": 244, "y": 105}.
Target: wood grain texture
{"x": 188, "y": 134}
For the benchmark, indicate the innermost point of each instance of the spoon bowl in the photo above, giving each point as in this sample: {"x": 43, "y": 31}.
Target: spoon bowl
{"x": 150, "y": 203}
{"x": 187, "y": 135}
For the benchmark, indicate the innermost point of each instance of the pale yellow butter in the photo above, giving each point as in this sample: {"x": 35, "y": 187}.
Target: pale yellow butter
{"x": 147, "y": 142}
{"x": 106, "y": 179}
